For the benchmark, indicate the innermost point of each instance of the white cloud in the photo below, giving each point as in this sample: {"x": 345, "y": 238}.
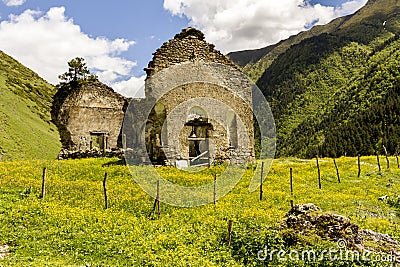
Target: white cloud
{"x": 45, "y": 42}
{"x": 13, "y": 2}
{"x": 249, "y": 24}
{"x": 134, "y": 87}
{"x": 351, "y": 6}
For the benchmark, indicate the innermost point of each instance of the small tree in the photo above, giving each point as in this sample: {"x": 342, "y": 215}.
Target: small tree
{"x": 77, "y": 70}
{"x": 77, "y": 73}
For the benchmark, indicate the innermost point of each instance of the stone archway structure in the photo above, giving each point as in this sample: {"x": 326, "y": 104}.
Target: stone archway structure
{"x": 206, "y": 104}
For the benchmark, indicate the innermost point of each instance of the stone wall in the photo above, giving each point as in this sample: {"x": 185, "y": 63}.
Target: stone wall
{"x": 189, "y": 45}
{"x": 188, "y": 73}
{"x": 90, "y": 110}
{"x": 221, "y": 107}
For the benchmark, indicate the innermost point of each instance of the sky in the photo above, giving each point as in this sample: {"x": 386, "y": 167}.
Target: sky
{"x": 117, "y": 38}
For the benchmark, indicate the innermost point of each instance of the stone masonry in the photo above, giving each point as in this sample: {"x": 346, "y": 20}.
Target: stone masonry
{"x": 187, "y": 46}
{"x": 92, "y": 116}
{"x": 202, "y": 113}
{"x": 204, "y": 104}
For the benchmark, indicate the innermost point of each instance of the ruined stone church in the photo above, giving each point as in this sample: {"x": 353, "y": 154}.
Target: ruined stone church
{"x": 192, "y": 123}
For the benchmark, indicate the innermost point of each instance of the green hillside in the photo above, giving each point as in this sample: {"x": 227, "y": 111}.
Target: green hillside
{"x": 334, "y": 90}
{"x": 26, "y": 130}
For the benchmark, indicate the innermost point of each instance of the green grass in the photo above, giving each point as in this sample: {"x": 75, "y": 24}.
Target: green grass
{"x": 71, "y": 226}
{"x": 24, "y": 135}
{"x": 26, "y": 130}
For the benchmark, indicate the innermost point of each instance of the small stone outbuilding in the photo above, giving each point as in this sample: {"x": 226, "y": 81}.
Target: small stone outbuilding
{"x": 91, "y": 117}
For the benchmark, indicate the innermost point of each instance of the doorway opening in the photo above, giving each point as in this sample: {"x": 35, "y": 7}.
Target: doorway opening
{"x": 198, "y": 139}
{"x": 99, "y": 140}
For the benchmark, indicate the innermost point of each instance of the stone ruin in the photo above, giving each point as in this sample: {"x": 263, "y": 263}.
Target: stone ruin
{"x": 206, "y": 120}
{"x": 187, "y": 46}
{"x": 201, "y": 106}
{"x": 89, "y": 121}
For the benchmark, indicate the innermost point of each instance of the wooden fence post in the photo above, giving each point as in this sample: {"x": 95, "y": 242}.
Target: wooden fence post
{"x": 156, "y": 202}
{"x": 291, "y": 187}
{"x": 379, "y": 164}
{"x": 397, "y": 159}
{"x": 386, "y": 155}
{"x": 291, "y": 181}
{"x": 44, "y": 183}
{"x": 105, "y": 191}
{"x": 158, "y": 199}
{"x": 319, "y": 174}
{"x": 215, "y": 189}
{"x": 337, "y": 170}
{"x": 359, "y": 166}
{"x": 228, "y": 239}
{"x": 261, "y": 180}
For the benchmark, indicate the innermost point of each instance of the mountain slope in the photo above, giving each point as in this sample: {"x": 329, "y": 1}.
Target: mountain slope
{"x": 334, "y": 90}
{"x": 256, "y": 61}
{"x": 26, "y": 130}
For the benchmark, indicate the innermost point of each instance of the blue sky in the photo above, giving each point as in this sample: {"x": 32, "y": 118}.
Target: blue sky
{"x": 146, "y": 22}
{"x": 117, "y": 38}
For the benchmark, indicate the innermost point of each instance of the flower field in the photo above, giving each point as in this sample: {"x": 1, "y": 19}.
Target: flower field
{"x": 71, "y": 227}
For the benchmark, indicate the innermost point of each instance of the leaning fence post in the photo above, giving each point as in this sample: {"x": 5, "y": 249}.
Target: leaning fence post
{"x": 319, "y": 174}
{"x": 44, "y": 182}
{"x": 156, "y": 202}
{"x": 105, "y": 191}
{"x": 359, "y": 166}
{"x": 337, "y": 170}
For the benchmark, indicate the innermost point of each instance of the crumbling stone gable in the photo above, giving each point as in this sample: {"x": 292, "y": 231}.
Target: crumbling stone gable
{"x": 197, "y": 80}
{"x": 189, "y": 45}
{"x": 93, "y": 108}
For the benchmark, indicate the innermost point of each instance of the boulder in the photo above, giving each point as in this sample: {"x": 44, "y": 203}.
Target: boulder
{"x": 309, "y": 218}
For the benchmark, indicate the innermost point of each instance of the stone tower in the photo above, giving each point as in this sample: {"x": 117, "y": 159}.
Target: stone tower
{"x": 201, "y": 105}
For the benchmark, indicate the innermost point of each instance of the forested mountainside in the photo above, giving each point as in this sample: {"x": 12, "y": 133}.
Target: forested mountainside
{"x": 334, "y": 90}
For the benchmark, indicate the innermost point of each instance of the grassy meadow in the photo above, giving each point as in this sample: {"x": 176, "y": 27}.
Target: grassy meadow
{"x": 70, "y": 227}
